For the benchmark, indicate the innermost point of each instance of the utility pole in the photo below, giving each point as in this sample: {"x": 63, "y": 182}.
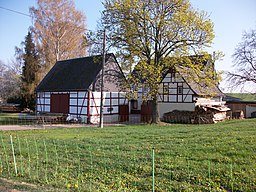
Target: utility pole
{"x": 102, "y": 78}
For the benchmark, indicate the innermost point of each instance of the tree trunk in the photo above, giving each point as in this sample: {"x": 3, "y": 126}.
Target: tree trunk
{"x": 155, "y": 111}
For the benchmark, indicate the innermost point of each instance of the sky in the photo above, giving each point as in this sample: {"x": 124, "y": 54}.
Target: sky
{"x": 231, "y": 19}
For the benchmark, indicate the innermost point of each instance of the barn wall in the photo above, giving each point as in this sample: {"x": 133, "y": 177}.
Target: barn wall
{"x": 43, "y": 102}
{"x": 80, "y": 100}
{"x": 236, "y": 107}
{"x": 111, "y": 101}
{"x": 249, "y": 109}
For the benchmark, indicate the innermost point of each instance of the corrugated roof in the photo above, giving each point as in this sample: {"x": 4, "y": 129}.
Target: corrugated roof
{"x": 72, "y": 75}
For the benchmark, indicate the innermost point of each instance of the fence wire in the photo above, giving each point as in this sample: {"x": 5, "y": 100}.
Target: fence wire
{"x": 38, "y": 120}
{"x": 92, "y": 167}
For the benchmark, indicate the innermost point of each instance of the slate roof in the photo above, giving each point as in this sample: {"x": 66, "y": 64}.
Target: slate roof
{"x": 72, "y": 75}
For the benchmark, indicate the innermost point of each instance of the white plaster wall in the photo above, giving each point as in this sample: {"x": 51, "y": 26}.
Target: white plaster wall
{"x": 106, "y": 119}
{"x": 106, "y": 102}
{"x": 95, "y": 104}
{"x": 189, "y": 98}
{"x": 110, "y": 118}
{"x": 168, "y": 107}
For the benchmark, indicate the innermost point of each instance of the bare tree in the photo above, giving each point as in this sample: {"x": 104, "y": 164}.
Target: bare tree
{"x": 9, "y": 81}
{"x": 59, "y": 30}
{"x": 244, "y": 62}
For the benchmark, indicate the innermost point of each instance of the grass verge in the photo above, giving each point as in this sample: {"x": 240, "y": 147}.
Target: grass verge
{"x": 218, "y": 157}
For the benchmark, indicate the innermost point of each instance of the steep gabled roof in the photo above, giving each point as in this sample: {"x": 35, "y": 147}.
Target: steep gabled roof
{"x": 204, "y": 90}
{"x": 73, "y": 75}
{"x": 199, "y": 88}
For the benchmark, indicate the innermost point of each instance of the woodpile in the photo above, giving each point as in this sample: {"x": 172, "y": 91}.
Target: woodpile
{"x": 10, "y": 108}
{"x": 201, "y": 115}
{"x": 53, "y": 118}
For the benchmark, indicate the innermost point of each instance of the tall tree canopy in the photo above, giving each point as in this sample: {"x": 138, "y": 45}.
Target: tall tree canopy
{"x": 148, "y": 32}
{"x": 244, "y": 62}
{"x": 59, "y": 30}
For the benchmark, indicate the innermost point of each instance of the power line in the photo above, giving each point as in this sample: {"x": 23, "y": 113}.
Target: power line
{"x": 15, "y": 11}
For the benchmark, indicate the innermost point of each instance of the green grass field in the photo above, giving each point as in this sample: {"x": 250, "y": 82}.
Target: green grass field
{"x": 243, "y": 96}
{"x": 218, "y": 157}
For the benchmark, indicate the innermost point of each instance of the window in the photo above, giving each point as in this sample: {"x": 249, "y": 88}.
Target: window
{"x": 110, "y": 109}
{"x": 134, "y": 104}
{"x": 180, "y": 90}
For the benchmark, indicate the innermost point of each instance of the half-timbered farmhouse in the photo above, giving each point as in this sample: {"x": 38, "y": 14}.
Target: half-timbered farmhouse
{"x": 179, "y": 92}
{"x": 73, "y": 87}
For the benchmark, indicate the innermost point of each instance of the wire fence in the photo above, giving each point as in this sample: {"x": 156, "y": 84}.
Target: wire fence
{"x": 92, "y": 167}
{"x": 38, "y": 120}
{"x": 88, "y": 166}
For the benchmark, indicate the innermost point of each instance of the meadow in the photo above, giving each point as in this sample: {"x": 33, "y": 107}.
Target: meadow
{"x": 166, "y": 157}
{"x": 243, "y": 96}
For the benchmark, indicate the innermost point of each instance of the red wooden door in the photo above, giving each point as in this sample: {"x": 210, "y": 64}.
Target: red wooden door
{"x": 146, "y": 112}
{"x": 59, "y": 103}
{"x": 123, "y": 113}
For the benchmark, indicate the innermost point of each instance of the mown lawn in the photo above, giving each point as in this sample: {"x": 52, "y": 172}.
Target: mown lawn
{"x": 219, "y": 157}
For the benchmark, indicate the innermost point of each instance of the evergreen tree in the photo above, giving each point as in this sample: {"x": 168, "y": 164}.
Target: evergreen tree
{"x": 30, "y": 72}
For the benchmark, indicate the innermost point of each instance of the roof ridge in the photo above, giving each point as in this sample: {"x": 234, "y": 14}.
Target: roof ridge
{"x": 92, "y": 56}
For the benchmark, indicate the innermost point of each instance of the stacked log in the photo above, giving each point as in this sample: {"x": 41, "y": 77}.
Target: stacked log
{"x": 201, "y": 115}
{"x": 10, "y": 108}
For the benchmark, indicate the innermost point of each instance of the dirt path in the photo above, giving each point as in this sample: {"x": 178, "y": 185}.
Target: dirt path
{"x": 53, "y": 126}
{"x": 13, "y": 186}
{"x": 17, "y": 127}
{"x": 31, "y": 127}
{"x": 7, "y": 185}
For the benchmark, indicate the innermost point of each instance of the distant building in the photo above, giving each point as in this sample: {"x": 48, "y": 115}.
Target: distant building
{"x": 239, "y": 106}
